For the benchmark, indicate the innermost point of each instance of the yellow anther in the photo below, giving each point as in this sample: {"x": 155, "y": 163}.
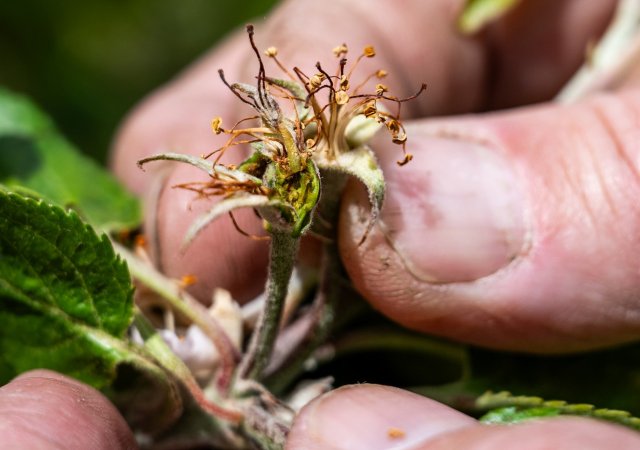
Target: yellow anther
{"x": 271, "y": 52}
{"x": 381, "y": 89}
{"x": 216, "y": 125}
{"x": 342, "y": 98}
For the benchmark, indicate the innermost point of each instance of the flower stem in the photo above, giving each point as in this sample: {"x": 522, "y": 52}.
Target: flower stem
{"x": 320, "y": 318}
{"x": 284, "y": 248}
{"x": 174, "y": 365}
{"x": 190, "y": 308}
{"x": 320, "y": 321}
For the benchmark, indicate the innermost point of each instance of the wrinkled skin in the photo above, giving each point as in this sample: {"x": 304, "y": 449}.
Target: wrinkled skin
{"x": 515, "y": 229}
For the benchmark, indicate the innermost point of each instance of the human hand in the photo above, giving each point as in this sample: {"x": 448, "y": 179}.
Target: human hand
{"x": 375, "y": 417}
{"x": 514, "y": 230}
{"x": 45, "y": 410}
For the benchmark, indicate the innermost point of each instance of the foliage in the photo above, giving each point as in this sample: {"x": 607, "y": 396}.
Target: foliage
{"x": 34, "y": 156}
{"x": 88, "y": 63}
{"x": 506, "y": 408}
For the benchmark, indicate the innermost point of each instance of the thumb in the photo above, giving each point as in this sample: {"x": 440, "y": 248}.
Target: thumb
{"x": 42, "y": 409}
{"x": 517, "y": 230}
{"x": 371, "y": 417}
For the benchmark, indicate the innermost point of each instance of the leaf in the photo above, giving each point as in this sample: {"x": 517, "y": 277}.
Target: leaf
{"x": 478, "y": 13}
{"x": 511, "y": 414}
{"x": 507, "y": 408}
{"x": 34, "y": 156}
{"x": 65, "y": 297}
{"x": 66, "y": 304}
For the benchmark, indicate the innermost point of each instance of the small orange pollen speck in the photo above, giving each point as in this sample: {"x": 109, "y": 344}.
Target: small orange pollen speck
{"x": 140, "y": 241}
{"x": 369, "y": 51}
{"x": 188, "y": 280}
{"x": 395, "y": 433}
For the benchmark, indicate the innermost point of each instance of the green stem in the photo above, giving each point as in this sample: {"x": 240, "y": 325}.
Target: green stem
{"x": 167, "y": 359}
{"x": 320, "y": 324}
{"x": 284, "y": 248}
{"x": 187, "y": 306}
{"x": 265, "y": 430}
{"x": 322, "y": 314}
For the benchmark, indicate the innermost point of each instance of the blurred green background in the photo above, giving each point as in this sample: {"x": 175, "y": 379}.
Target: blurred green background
{"x": 87, "y": 63}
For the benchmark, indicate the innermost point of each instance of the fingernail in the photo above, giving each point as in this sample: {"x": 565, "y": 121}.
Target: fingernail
{"x": 455, "y": 213}
{"x": 372, "y": 417}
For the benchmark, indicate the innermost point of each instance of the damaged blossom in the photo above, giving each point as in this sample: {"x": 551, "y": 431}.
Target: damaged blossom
{"x": 281, "y": 179}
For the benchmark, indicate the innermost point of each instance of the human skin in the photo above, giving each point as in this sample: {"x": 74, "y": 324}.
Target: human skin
{"x": 515, "y": 229}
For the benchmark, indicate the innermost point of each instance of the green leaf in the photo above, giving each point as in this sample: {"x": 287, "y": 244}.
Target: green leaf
{"x": 65, "y": 297}
{"x": 511, "y": 414}
{"x": 34, "y": 156}
{"x": 478, "y": 13}
{"x": 507, "y": 408}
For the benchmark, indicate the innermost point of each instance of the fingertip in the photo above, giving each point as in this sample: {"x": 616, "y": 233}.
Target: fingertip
{"x": 555, "y": 274}
{"x": 43, "y": 409}
{"x": 371, "y": 417}
{"x": 565, "y": 433}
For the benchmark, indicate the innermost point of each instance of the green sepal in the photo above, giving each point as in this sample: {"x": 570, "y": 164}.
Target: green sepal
{"x": 254, "y": 164}
{"x": 217, "y": 170}
{"x": 260, "y": 203}
{"x": 361, "y": 163}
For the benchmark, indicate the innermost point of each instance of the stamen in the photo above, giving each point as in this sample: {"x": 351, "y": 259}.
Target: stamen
{"x": 244, "y": 233}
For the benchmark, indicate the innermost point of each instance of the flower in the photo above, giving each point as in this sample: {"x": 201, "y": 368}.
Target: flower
{"x": 281, "y": 179}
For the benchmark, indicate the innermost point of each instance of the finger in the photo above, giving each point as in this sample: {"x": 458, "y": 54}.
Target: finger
{"x": 456, "y": 67}
{"x": 42, "y": 409}
{"x": 527, "y": 56}
{"x": 536, "y": 48}
{"x": 372, "y": 417}
{"x": 568, "y": 434}
{"x": 516, "y": 230}
{"x": 380, "y": 417}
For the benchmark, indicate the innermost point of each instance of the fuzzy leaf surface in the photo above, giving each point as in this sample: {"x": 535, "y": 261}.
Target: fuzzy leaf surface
{"x": 65, "y": 297}
{"x": 34, "y": 156}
